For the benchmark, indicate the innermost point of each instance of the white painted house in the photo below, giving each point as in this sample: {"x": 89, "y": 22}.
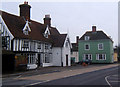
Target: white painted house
{"x": 61, "y": 51}
{"x": 35, "y": 40}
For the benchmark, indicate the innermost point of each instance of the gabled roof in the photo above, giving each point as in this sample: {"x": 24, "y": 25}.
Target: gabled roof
{"x": 98, "y": 35}
{"x": 58, "y": 40}
{"x": 16, "y": 24}
{"x": 54, "y": 31}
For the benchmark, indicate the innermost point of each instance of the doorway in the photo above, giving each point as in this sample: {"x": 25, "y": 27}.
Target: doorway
{"x": 39, "y": 60}
{"x": 66, "y": 60}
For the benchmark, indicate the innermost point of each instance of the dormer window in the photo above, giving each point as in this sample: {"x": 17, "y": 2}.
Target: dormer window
{"x": 26, "y": 32}
{"x": 87, "y": 37}
{"x": 47, "y": 32}
{"x": 26, "y": 28}
{"x": 46, "y": 35}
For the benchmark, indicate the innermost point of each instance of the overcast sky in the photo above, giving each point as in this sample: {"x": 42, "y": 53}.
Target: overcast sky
{"x": 74, "y": 18}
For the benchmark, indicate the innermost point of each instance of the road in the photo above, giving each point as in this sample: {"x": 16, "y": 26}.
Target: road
{"x": 95, "y": 78}
{"x": 89, "y": 76}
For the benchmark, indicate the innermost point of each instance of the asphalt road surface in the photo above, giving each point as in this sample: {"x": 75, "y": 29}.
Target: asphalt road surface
{"x": 103, "y": 78}
{"x": 100, "y": 78}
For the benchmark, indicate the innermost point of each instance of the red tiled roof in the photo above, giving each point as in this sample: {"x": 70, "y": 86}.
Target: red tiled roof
{"x": 58, "y": 40}
{"x": 16, "y": 24}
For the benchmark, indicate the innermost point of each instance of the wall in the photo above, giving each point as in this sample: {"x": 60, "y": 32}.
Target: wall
{"x": 56, "y": 53}
{"x": 33, "y": 44}
{"x": 66, "y": 51}
{"x": 5, "y": 32}
{"x": 115, "y": 57}
{"x": 119, "y": 23}
{"x": 75, "y": 54}
{"x": 94, "y": 50}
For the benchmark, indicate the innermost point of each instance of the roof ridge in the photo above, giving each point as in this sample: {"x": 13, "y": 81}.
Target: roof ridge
{"x": 9, "y": 13}
{"x": 96, "y": 36}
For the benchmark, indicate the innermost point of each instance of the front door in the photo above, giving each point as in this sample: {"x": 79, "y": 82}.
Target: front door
{"x": 39, "y": 60}
{"x": 66, "y": 60}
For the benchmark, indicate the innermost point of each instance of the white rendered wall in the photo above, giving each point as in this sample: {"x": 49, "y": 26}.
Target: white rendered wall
{"x": 56, "y": 54}
{"x": 66, "y": 51}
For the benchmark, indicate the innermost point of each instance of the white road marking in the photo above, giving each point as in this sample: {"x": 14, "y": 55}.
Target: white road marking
{"x": 35, "y": 83}
{"x": 107, "y": 81}
{"x": 18, "y": 77}
{"x": 114, "y": 81}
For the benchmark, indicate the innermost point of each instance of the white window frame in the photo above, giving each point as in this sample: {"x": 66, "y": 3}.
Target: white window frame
{"x": 88, "y": 56}
{"x": 47, "y": 58}
{"x": 99, "y": 46}
{"x": 24, "y": 43}
{"x": 87, "y": 38}
{"x": 103, "y": 55}
{"x": 46, "y": 46}
{"x": 88, "y": 46}
{"x": 46, "y": 34}
{"x": 31, "y": 58}
{"x": 66, "y": 44}
{"x": 26, "y": 31}
{"x": 39, "y": 45}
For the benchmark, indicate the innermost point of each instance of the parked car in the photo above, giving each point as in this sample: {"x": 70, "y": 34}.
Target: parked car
{"x": 87, "y": 61}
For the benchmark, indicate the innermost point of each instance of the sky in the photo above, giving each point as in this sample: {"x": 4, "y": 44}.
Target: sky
{"x": 73, "y": 17}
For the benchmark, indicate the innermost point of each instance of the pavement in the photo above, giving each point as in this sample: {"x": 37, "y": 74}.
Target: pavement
{"x": 67, "y": 73}
{"x": 47, "y": 74}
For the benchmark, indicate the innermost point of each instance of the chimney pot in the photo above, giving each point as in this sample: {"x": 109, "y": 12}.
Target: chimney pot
{"x": 93, "y": 28}
{"x": 47, "y": 16}
{"x": 26, "y": 2}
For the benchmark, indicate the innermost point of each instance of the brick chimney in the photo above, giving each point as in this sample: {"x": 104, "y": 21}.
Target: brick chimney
{"x": 47, "y": 20}
{"x": 25, "y": 10}
{"x": 93, "y": 28}
{"x": 77, "y": 39}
